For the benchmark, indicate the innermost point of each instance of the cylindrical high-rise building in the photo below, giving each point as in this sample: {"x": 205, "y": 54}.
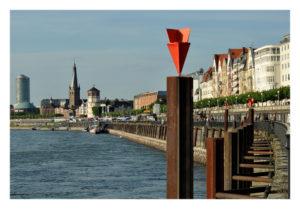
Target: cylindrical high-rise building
{"x": 23, "y": 90}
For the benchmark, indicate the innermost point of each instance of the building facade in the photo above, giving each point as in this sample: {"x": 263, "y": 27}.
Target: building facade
{"x": 217, "y": 74}
{"x": 285, "y": 61}
{"x": 144, "y": 100}
{"x": 206, "y": 85}
{"x": 233, "y": 66}
{"x": 23, "y": 89}
{"x": 267, "y": 67}
{"x": 250, "y": 70}
{"x": 23, "y": 95}
{"x": 197, "y": 78}
{"x": 93, "y": 101}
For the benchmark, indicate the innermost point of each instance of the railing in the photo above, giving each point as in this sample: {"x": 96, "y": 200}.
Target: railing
{"x": 281, "y": 130}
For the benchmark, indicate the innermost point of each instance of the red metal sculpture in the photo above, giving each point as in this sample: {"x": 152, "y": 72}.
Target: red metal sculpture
{"x": 178, "y": 46}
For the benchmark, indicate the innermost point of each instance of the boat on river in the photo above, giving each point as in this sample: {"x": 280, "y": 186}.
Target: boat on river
{"x": 94, "y": 130}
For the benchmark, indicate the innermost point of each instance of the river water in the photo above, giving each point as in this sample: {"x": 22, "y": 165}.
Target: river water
{"x": 62, "y": 164}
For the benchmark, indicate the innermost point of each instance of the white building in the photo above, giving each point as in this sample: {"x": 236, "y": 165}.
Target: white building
{"x": 285, "y": 61}
{"x": 206, "y": 85}
{"x": 93, "y": 101}
{"x": 267, "y": 68}
{"x": 197, "y": 78}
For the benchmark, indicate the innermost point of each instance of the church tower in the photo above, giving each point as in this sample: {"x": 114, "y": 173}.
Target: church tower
{"x": 74, "y": 91}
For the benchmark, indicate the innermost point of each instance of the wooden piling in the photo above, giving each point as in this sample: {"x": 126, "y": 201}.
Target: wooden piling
{"x": 214, "y": 167}
{"x": 179, "y": 137}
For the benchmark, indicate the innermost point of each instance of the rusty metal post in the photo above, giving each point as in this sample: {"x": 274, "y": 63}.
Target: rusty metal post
{"x": 195, "y": 136}
{"x": 251, "y": 116}
{"x": 179, "y": 137}
{"x": 226, "y": 120}
{"x": 242, "y": 151}
{"x": 230, "y": 159}
{"x": 214, "y": 167}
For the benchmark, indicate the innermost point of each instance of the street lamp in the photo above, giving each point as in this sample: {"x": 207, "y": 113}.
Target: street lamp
{"x": 235, "y": 100}
{"x": 278, "y": 97}
{"x": 209, "y": 103}
{"x": 217, "y": 102}
{"x": 261, "y": 94}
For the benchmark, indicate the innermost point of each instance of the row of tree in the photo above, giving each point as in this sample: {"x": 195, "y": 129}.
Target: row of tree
{"x": 270, "y": 95}
{"x": 32, "y": 115}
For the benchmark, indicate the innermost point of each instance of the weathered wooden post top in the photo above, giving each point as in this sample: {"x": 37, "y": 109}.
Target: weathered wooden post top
{"x": 179, "y": 120}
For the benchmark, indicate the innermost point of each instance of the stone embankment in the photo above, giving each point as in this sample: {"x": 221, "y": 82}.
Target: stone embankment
{"x": 155, "y": 136}
{"x": 279, "y": 187}
{"x": 45, "y": 124}
{"x": 199, "y": 153}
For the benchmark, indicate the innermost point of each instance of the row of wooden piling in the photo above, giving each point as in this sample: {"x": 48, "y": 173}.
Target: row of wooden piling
{"x": 224, "y": 156}
{"x": 153, "y": 131}
{"x": 200, "y": 133}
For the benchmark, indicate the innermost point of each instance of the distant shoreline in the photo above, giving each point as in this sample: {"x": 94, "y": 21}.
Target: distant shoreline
{"x": 47, "y": 129}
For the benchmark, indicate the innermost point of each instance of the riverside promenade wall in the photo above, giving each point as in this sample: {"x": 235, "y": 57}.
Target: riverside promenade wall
{"x": 155, "y": 136}
{"x": 199, "y": 153}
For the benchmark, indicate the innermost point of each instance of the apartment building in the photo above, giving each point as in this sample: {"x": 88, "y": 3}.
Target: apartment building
{"x": 285, "y": 61}
{"x": 267, "y": 68}
{"x": 206, "y": 85}
{"x": 217, "y": 75}
{"x": 232, "y": 70}
{"x": 197, "y": 78}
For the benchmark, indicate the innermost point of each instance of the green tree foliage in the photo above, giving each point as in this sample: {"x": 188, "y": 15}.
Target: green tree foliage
{"x": 270, "y": 95}
{"x": 97, "y": 111}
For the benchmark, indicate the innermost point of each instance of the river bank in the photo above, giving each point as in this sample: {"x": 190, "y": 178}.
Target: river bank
{"x": 199, "y": 153}
{"x": 47, "y": 129}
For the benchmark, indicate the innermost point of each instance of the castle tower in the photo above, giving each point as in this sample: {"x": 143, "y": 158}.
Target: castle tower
{"x": 74, "y": 91}
{"x": 93, "y": 101}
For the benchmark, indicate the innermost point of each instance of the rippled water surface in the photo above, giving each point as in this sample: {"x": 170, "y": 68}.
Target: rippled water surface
{"x": 61, "y": 164}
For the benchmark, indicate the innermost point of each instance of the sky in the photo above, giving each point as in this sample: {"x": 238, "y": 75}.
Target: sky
{"x": 124, "y": 53}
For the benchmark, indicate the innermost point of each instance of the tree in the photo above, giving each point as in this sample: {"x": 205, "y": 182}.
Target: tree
{"x": 97, "y": 110}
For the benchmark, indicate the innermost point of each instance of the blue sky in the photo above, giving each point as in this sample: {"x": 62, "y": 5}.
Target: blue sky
{"x": 124, "y": 53}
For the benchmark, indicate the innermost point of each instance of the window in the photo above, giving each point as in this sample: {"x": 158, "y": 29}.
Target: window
{"x": 288, "y": 46}
{"x": 285, "y": 76}
{"x": 278, "y": 58}
{"x": 282, "y": 78}
{"x": 278, "y": 51}
{"x": 270, "y": 79}
{"x": 282, "y": 66}
{"x": 270, "y": 69}
{"x": 288, "y": 65}
{"x": 288, "y": 76}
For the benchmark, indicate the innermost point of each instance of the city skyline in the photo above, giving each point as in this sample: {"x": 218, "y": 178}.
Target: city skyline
{"x": 124, "y": 53}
